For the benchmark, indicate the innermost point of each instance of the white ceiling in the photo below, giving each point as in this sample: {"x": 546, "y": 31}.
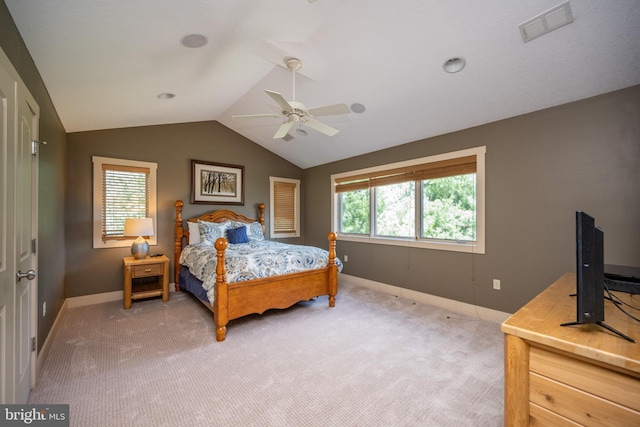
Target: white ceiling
{"x": 104, "y": 63}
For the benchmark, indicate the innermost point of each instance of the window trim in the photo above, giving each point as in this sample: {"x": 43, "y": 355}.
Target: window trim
{"x": 477, "y": 247}
{"x": 98, "y": 163}
{"x": 272, "y": 231}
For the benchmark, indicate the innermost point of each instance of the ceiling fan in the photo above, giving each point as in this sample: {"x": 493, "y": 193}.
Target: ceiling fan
{"x": 296, "y": 112}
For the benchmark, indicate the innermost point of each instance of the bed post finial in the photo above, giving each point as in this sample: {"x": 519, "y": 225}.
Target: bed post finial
{"x": 177, "y": 244}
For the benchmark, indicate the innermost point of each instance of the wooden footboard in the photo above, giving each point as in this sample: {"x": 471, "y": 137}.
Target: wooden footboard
{"x": 234, "y": 300}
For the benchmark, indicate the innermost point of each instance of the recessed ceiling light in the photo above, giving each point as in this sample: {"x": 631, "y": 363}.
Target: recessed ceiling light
{"x": 194, "y": 40}
{"x": 455, "y": 64}
{"x": 166, "y": 95}
{"x": 357, "y": 108}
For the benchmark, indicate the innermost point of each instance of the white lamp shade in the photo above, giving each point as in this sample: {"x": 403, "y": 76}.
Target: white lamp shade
{"x": 138, "y": 227}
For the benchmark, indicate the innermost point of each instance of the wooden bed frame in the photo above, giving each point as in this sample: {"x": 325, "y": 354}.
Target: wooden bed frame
{"x": 234, "y": 300}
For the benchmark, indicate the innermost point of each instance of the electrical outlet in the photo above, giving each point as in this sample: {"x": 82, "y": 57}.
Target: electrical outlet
{"x": 346, "y": 258}
{"x": 496, "y": 284}
{"x": 44, "y": 309}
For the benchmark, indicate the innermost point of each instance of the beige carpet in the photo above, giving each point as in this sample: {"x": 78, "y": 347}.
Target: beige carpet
{"x": 373, "y": 360}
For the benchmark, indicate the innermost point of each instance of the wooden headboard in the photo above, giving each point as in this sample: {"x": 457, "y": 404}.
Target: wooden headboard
{"x": 181, "y": 232}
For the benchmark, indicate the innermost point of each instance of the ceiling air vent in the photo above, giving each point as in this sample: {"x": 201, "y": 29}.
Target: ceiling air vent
{"x": 546, "y": 22}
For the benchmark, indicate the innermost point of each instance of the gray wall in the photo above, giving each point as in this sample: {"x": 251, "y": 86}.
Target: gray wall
{"x": 90, "y": 271}
{"x": 51, "y": 249}
{"x": 540, "y": 168}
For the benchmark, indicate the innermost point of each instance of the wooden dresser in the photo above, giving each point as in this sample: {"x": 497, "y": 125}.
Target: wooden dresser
{"x": 570, "y": 375}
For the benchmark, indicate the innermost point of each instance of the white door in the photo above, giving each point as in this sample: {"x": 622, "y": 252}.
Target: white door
{"x": 19, "y": 115}
{"x": 26, "y": 230}
{"x": 7, "y": 260}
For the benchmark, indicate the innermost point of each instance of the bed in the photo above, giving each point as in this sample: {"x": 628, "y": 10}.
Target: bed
{"x": 236, "y": 299}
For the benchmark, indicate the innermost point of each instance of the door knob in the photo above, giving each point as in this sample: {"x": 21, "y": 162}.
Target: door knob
{"x": 29, "y": 275}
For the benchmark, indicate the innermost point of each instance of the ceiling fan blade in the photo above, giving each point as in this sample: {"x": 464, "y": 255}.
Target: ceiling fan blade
{"x": 283, "y": 130}
{"x": 255, "y": 116}
{"x": 321, "y": 127}
{"x": 329, "y": 110}
{"x": 279, "y": 99}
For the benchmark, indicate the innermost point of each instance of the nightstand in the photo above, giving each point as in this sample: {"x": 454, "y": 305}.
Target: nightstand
{"x": 144, "y": 278}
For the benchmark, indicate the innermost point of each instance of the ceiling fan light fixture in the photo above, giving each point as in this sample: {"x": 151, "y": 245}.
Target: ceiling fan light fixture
{"x": 455, "y": 64}
{"x": 166, "y": 95}
{"x": 302, "y": 132}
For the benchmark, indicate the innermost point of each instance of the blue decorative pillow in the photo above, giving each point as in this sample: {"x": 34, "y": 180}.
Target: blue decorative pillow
{"x": 237, "y": 235}
{"x": 210, "y": 231}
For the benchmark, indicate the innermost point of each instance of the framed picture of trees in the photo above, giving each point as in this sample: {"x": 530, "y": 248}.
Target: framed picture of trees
{"x": 217, "y": 183}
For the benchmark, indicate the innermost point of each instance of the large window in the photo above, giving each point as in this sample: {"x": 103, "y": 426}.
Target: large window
{"x": 284, "y": 207}
{"x": 121, "y": 189}
{"x": 433, "y": 202}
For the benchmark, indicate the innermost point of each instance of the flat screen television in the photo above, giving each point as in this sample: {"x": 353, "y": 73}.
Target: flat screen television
{"x": 589, "y": 269}
{"x": 590, "y": 274}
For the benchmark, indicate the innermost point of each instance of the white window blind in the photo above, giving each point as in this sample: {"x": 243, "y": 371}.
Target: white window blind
{"x": 125, "y": 194}
{"x": 122, "y": 189}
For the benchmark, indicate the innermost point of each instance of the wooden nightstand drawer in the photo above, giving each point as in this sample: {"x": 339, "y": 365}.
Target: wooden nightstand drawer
{"x": 146, "y": 270}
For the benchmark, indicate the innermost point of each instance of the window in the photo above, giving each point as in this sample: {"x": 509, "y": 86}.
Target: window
{"x": 434, "y": 202}
{"x": 121, "y": 189}
{"x": 284, "y": 207}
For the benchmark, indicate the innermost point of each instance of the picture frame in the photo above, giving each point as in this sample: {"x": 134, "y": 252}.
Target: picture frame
{"x": 216, "y": 183}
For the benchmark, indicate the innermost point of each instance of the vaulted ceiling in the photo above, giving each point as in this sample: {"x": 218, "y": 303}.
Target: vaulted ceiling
{"x": 105, "y": 63}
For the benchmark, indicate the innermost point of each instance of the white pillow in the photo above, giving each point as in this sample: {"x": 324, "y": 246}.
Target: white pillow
{"x": 194, "y": 233}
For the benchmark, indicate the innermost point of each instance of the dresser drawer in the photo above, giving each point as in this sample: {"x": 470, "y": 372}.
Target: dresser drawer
{"x": 541, "y": 417}
{"x": 577, "y": 405}
{"x": 599, "y": 381}
{"x": 582, "y": 392}
{"x": 147, "y": 270}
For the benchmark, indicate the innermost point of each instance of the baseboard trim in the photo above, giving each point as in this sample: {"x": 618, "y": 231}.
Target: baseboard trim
{"x": 44, "y": 348}
{"x": 83, "y": 300}
{"x": 445, "y": 303}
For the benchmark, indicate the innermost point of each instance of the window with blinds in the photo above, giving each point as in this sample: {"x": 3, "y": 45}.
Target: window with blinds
{"x": 125, "y": 194}
{"x": 418, "y": 172}
{"x": 285, "y": 207}
{"x": 433, "y": 202}
{"x": 121, "y": 189}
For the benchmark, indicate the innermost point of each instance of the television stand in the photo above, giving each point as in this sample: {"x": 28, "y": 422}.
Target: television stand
{"x": 560, "y": 376}
{"x": 604, "y": 325}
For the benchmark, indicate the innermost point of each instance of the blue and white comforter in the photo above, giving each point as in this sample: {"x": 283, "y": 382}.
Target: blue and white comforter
{"x": 254, "y": 260}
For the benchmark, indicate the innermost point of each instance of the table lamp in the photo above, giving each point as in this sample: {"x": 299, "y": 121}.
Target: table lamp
{"x": 139, "y": 227}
